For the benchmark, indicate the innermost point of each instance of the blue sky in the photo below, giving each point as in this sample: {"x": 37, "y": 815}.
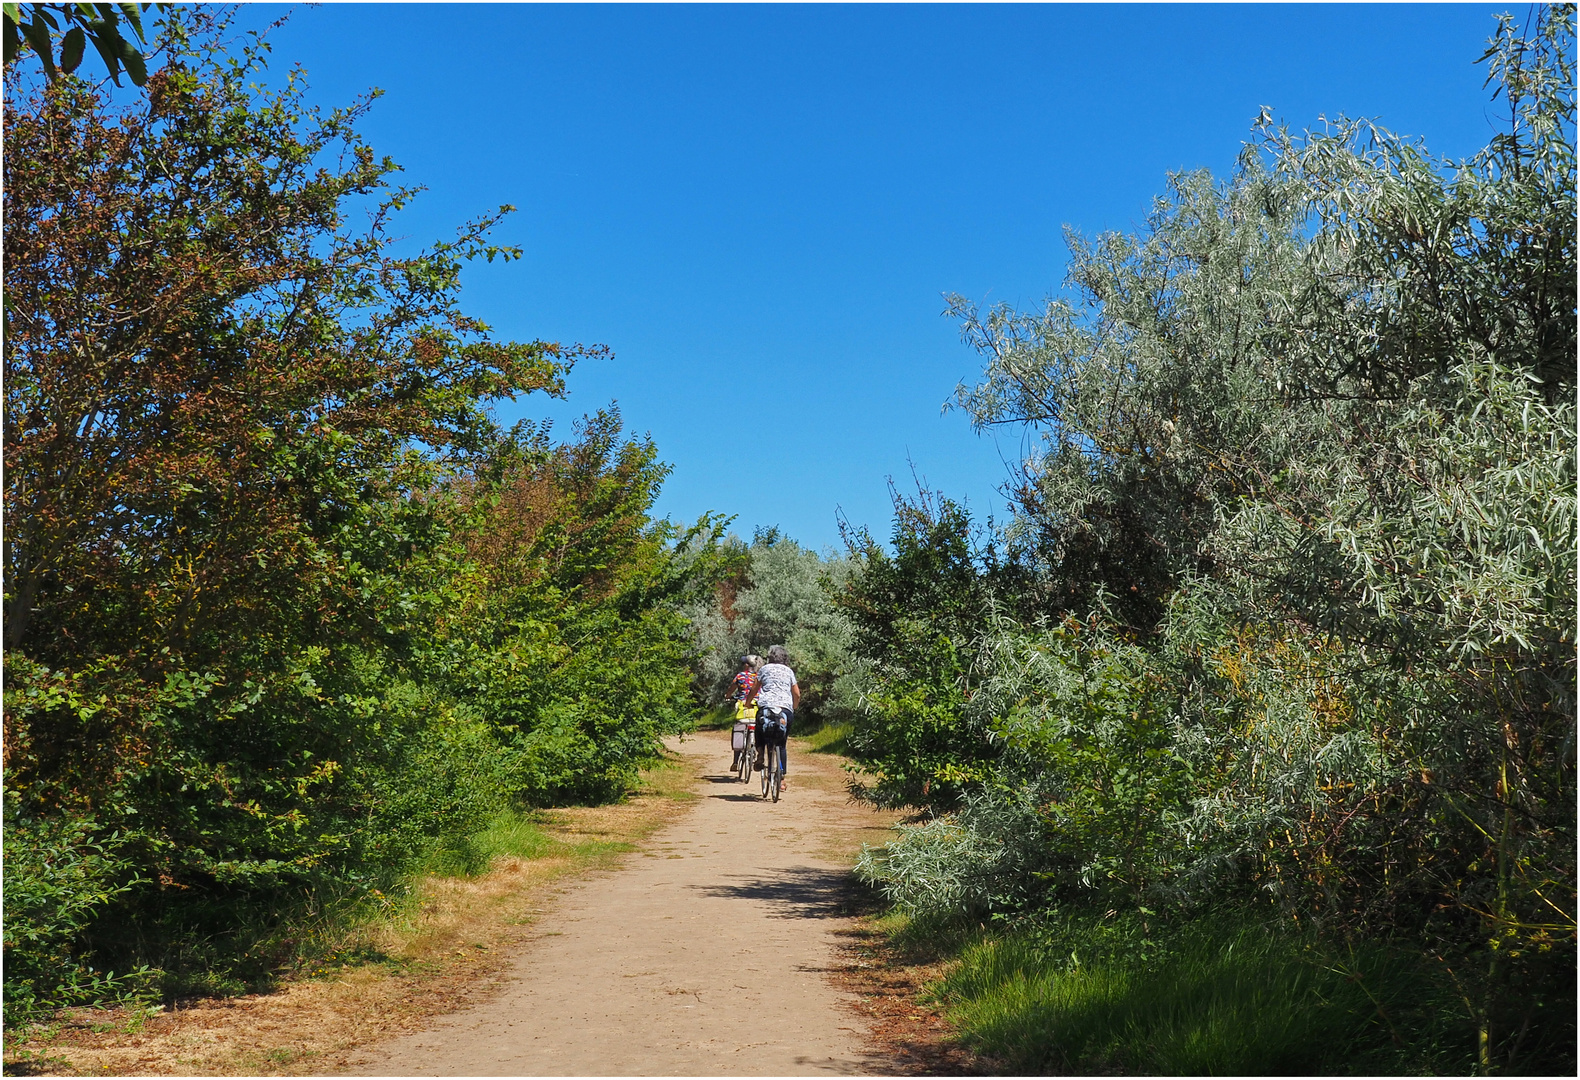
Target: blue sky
{"x": 758, "y": 208}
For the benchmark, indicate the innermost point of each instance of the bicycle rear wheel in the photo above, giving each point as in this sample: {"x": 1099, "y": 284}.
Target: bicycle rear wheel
{"x": 768, "y": 770}
{"x": 778, "y": 776}
{"x": 744, "y": 766}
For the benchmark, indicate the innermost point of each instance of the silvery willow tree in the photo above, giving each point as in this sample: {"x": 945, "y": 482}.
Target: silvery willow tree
{"x": 1303, "y": 511}
{"x": 778, "y": 594}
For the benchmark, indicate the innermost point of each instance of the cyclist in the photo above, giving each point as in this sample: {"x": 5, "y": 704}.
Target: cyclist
{"x": 744, "y": 694}
{"x": 746, "y": 681}
{"x": 777, "y": 699}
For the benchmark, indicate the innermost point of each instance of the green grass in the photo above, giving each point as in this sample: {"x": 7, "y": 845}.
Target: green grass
{"x": 1215, "y": 998}
{"x": 511, "y": 832}
{"x": 718, "y": 718}
{"x": 827, "y": 739}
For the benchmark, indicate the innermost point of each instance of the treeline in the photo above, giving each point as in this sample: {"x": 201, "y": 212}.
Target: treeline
{"x": 285, "y": 611}
{"x": 770, "y": 592}
{"x": 1261, "y": 711}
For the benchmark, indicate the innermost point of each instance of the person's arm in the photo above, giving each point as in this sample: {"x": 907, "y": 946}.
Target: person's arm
{"x": 795, "y": 695}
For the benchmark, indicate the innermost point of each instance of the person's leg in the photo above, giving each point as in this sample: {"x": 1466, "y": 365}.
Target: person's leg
{"x": 784, "y": 743}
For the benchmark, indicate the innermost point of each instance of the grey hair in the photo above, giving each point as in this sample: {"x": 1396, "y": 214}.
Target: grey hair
{"x": 778, "y": 654}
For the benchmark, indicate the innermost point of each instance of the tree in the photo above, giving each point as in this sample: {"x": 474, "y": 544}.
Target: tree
{"x": 226, "y": 413}
{"x": 914, "y": 617}
{"x": 34, "y": 25}
{"x": 1313, "y": 432}
{"x": 567, "y": 635}
{"x": 776, "y": 592}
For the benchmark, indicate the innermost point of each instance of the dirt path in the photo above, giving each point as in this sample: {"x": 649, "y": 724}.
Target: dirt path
{"x": 705, "y": 954}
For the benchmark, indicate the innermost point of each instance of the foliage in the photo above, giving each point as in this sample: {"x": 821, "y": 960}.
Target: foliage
{"x": 58, "y": 877}
{"x": 98, "y": 23}
{"x": 775, "y": 592}
{"x": 567, "y": 636}
{"x": 1289, "y": 615}
{"x": 914, "y": 615}
{"x": 285, "y": 612}
{"x": 1080, "y": 799}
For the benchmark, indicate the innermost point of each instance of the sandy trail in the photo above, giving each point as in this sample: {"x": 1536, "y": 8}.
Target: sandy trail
{"x": 704, "y": 954}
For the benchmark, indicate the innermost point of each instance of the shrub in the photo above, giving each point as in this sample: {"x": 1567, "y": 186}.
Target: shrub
{"x": 58, "y": 879}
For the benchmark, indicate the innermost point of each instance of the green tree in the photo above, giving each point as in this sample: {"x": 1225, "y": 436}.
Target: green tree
{"x": 222, "y": 405}
{"x": 915, "y": 617}
{"x": 34, "y": 25}
{"x": 566, "y": 636}
{"x": 1310, "y": 440}
{"x": 776, "y": 592}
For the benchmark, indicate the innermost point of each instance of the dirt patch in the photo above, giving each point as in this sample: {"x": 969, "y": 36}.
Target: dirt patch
{"x": 708, "y": 953}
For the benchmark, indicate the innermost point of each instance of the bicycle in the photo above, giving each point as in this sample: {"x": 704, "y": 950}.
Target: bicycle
{"x": 745, "y": 721}
{"x": 777, "y": 776}
{"x": 773, "y": 772}
{"x": 743, "y": 764}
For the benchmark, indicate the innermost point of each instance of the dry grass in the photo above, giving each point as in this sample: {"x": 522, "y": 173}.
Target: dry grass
{"x": 890, "y": 985}
{"x": 445, "y": 948}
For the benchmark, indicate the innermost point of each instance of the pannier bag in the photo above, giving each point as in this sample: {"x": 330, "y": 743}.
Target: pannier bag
{"x": 738, "y": 737}
{"x": 770, "y": 721}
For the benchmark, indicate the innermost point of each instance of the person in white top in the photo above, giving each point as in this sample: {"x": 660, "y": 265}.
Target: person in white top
{"x": 778, "y": 697}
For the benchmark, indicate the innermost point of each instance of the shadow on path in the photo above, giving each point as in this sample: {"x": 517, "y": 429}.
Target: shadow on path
{"x": 796, "y": 892}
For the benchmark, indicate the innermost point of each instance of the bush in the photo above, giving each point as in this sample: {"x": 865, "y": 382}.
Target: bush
{"x": 992, "y": 855}
{"x": 1305, "y": 445}
{"x": 58, "y": 879}
{"x": 443, "y": 777}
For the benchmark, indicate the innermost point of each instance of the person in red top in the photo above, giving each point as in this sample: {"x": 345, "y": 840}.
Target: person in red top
{"x": 746, "y": 683}
{"x": 744, "y": 694}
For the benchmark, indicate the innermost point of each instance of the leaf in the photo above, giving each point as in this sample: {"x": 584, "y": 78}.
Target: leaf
{"x": 136, "y": 69}
{"x": 133, "y": 14}
{"x": 71, "y": 47}
{"x": 107, "y": 52}
{"x": 38, "y": 36}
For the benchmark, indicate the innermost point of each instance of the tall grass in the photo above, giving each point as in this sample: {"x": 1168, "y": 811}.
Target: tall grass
{"x": 828, "y": 738}
{"x": 1213, "y": 998}
{"x": 508, "y": 833}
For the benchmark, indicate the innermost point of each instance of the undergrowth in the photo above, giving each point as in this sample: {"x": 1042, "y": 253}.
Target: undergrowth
{"x": 330, "y": 930}
{"x": 509, "y": 833}
{"x": 1214, "y": 996}
{"x": 829, "y": 739}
